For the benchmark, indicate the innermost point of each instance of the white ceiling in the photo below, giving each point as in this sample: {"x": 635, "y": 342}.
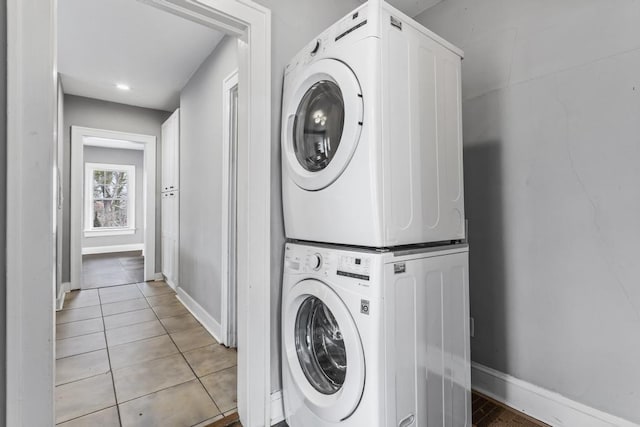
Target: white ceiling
{"x": 105, "y": 42}
{"x": 413, "y": 7}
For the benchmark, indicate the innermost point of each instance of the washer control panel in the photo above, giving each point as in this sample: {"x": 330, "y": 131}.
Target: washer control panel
{"x": 308, "y": 261}
{"x": 321, "y": 261}
{"x": 357, "y": 267}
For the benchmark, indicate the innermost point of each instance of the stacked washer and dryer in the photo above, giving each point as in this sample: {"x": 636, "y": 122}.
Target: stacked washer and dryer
{"x": 375, "y": 309}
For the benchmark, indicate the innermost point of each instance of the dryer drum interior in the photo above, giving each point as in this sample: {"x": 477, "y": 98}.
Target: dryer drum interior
{"x": 320, "y": 346}
{"x": 318, "y": 125}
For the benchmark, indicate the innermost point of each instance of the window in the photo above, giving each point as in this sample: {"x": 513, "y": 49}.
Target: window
{"x": 109, "y": 199}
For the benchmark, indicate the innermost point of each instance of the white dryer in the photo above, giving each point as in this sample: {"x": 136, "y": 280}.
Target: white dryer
{"x": 371, "y": 134}
{"x": 375, "y": 338}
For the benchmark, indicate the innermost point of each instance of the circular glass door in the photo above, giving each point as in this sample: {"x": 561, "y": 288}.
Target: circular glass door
{"x": 318, "y": 124}
{"x": 320, "y": 346}
{"x": 322, "y": 122}
{"x": 322, "y": 350}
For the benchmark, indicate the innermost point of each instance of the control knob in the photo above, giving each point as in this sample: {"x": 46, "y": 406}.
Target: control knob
{"x": 316, "y": 261}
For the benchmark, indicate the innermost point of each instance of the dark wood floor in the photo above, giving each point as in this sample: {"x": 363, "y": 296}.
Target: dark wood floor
{"x": 113, "y": 269}
{"x": 486, "y": 413}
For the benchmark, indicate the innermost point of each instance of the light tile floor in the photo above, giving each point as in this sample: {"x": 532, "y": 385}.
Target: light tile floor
{"x": 132, "y": 355}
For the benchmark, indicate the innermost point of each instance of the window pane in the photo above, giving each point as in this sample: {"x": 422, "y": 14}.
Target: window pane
{"x": 119, "y": 209}
{"x": 98, "y": 191}
{"x": 98, "y": 177}
{"x": 110, "y": 213}
{"x": 98, "y": 214}
{"x": 115, "y": 184}
{"x": 110, "y": 199}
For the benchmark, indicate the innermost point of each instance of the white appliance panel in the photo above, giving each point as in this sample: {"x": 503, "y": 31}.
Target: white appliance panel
{"x": 403, "y": 182}
{"x": 428, "y": 319}
{"x": 410, "y": 311}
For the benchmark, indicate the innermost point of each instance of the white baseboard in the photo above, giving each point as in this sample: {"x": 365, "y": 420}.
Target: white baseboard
{"x": 209, "y": 323}
{"x": 64, "y": 288}
{"x": 158, "y": 277}
{"x": 537, "y": 402}
{"x": 170, "y": 283}
{"x": 113, "y": 248}
{"x": 277, "y": 408}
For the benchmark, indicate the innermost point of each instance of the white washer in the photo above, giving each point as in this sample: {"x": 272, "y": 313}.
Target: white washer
{"x": 371, "y": 134}
{"x": 375, "y": 338}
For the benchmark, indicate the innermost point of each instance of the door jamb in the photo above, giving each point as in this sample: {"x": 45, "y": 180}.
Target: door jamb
{"x": 228, "y": 84}
{"x": 78, "y": 133}
{"x": 31, "y": 106}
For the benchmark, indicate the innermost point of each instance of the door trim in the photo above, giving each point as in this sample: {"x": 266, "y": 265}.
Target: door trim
{"x": 31, "y": 107}
{"x": 229, "y": 237}
{"x": 78, "y": 133}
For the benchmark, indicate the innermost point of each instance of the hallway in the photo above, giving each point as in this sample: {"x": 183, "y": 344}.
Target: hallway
{"x": 132, "y": 355}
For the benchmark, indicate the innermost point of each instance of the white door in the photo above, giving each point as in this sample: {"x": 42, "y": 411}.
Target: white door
{"x": 169, "y": 236}
{"x": 323, "y": 350}
{"x": 167, "y": 260}
{"x": 170, "y": 152}
{"x": 322, "y": 122}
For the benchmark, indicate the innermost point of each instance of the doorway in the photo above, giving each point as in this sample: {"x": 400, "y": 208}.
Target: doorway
{"x": 112, "y": 208}
{"x": 113, "y": 228}
{"x": 31, "y": 251}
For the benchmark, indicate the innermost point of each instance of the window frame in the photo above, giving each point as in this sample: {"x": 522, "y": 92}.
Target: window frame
{"x": 89, "y": 230}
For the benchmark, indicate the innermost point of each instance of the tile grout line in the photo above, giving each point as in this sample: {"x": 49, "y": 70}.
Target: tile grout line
{"x": 90, "y": 413}
{"x": 113, "y": 381}
{"x": 188, "y": 364}
{"x": 175, "y": 385}
{"x": 182, "y": 353}
{"x": 86, "y": 352}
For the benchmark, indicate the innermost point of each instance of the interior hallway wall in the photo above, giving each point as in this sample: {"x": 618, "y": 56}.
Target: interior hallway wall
{"x": 120, "y": 156}
{"x": 3, "y": 200}
{"x": 551, "y": 100}
{"x": 93, "y": 113}
{"x": 294, "y": 23}
{"x": 201, "y": 178}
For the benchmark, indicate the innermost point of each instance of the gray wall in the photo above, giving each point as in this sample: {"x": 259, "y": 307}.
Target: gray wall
{"x": 294, "y": 24}
{"x": 120, "y": 157}
{"x": 87, "y": 112}
{"x": 201, "y": 177}
{"x": 551, "y": 131}
{"x": 3, "y": 200}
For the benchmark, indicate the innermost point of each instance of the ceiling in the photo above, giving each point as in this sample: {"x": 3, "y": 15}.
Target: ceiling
{"x": 105, "y": 42}
{"x": 413, "y": 7}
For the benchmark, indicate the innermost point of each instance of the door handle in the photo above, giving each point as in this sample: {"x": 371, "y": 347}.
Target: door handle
{"x": 407, "y": 421}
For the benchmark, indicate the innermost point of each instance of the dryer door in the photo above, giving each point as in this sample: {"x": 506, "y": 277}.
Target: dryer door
{"x": 322, "y": 122}
{"x": 323, "y": 350}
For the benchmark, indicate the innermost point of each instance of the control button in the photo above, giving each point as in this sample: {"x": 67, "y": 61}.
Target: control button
{"x": 316, "y": 48}
{"x": 316, "y": 262}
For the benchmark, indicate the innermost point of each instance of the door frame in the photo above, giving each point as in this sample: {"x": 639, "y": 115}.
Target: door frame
{"x": 31, "y": 124}
{"x": 228, "y": 241}
{"x": 77, "y": 195}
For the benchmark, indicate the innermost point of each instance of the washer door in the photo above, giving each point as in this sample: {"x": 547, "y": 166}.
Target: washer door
{"x": 323, "y": 350}
{"x": 322, "y": 122}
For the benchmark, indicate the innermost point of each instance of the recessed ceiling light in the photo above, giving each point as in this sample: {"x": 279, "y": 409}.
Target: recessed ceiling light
{"x": 123, "y": 86}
